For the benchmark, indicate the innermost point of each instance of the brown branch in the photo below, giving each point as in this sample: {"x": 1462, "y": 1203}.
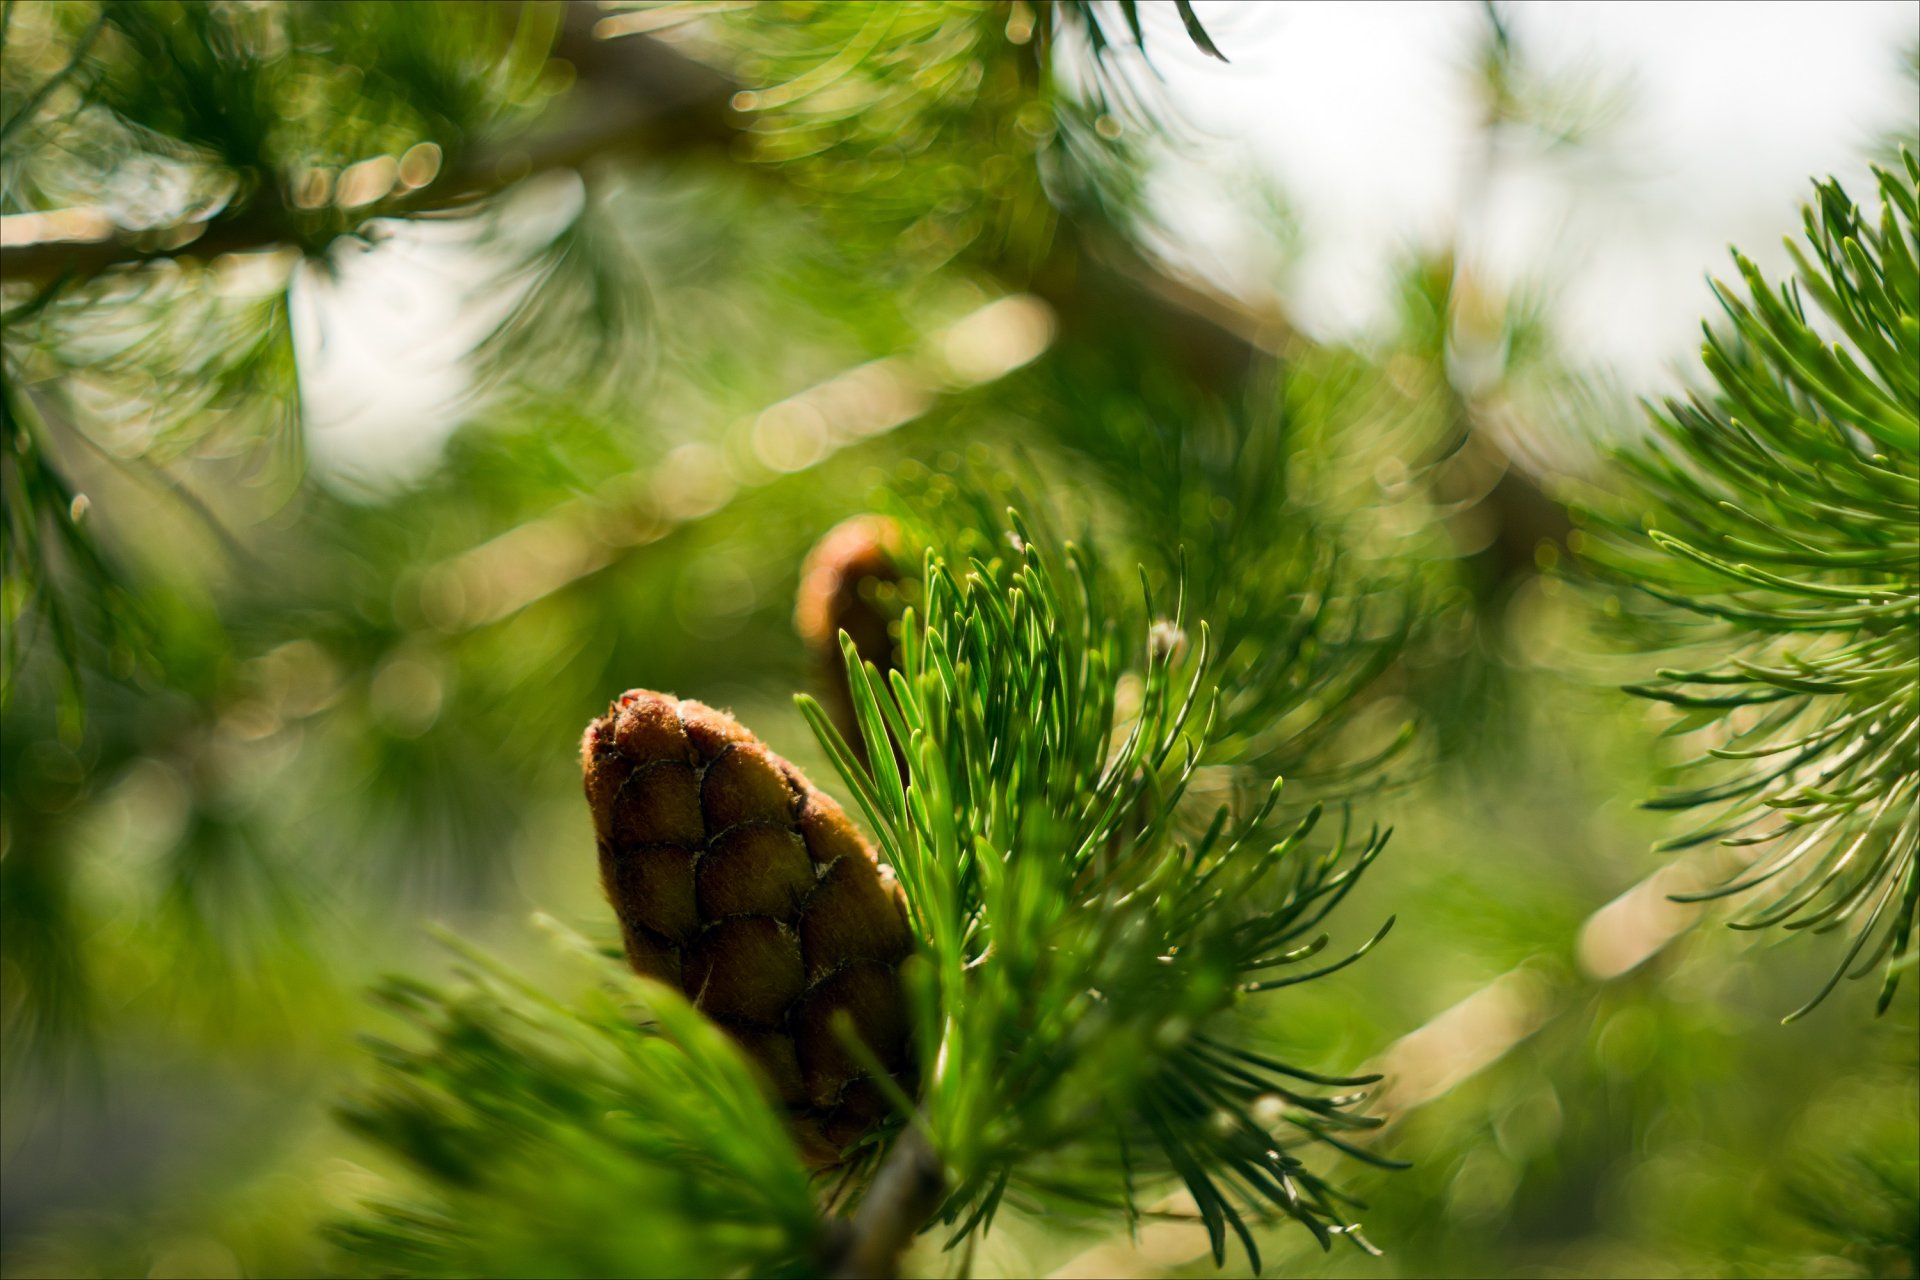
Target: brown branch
{"x": 902, "y": 1198}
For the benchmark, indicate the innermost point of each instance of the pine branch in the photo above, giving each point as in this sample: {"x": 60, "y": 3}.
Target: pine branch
{"x": 1785, "y": 526}
{"x": 1070, "y": 902}
{"x": 618, "y": 1134}
{"x": 904, "y": 1195}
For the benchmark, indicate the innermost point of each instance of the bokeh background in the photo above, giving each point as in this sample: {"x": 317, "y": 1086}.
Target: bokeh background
{"x": 388, "y": 385}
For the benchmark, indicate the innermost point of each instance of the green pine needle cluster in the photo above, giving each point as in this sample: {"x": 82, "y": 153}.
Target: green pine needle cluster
{"x": 1088, "y": 924}
{"x": 1788, "y": 532}
{"x": 618, "y": 1135}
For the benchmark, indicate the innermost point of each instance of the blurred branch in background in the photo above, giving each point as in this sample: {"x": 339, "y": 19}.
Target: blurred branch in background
{"x": 635, "y": 97}
{"x": 533, "y": 560}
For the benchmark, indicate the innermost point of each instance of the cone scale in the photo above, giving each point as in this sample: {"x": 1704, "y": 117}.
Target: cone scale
{"x": 738, "y": 882}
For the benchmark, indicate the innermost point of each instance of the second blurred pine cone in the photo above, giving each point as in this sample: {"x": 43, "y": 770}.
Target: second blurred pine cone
{"x": 737, "y": 881}
{"x": 841, "y": 585}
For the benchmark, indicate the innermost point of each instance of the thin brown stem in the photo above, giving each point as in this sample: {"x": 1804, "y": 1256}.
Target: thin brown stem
{"x": 905, "y": 1194}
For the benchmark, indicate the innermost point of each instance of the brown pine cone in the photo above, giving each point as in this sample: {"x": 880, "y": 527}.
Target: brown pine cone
{"x": 738, "y": 882}
{"x": 839, "y": 583}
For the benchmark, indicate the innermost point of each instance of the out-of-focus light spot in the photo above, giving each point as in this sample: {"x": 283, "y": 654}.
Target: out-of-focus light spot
{"x": 311, "y": 188}
{"x": 1036, "y": 121}
{"x": 443, "y": 599}
{"x": 406, "y": 694}
{"x": 745, "y": 100}
{"x": 77, "y": 225}
{"x": 1462, "y": 1041}
{"x": 1471, "y": 529}
{"x": 148, "y": 810}
{"x": 692, "y": 482}
{"x": 1627, "y": 1043}
{"x": 1166, "y": 640}
{"x": 997, "y": 339}
{"x": 366, "y": 182}
{"x": 1108, "y": 127}
{"x": 250, "y": 721}
{"x": 253, "y": 275}
{"x": 662, "y": 19}
{"x": 626, "y": 517}
{"x": 1483, "y": 1185}
{"x": 420, "y": 165}
{"x": 185, "y": 233}
{"x": 873, "y": 398}
{"x": 498, "y": 578}
{"x": 790, "y": 436}
{"x": 296, "y": 679}
{"x": 79, "y": 507}
{"x": 1020, "y": 23}
{"x": 383, "y": 333}
{"x": 1531, "y": 1125}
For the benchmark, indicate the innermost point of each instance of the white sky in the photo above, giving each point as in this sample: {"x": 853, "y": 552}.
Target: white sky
{"x": 1362, "y": 113}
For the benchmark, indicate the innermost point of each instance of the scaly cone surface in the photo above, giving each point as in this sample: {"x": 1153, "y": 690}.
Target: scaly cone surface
{"x": 738, "y": 882}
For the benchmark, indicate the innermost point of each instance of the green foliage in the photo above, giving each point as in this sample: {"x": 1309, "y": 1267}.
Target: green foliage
{"x": 1786, "y": 527}
{"x": 236, "y": 108}
{"x": 42, "y": 539}
{"x": 619, "y": 1135}
{"x": 1088, "y": 924}
{"x": 941, "y": 129}
{"x": 253, "y": 726}
{"x": 1870, "y": 1202}
{"x": 1213, "y": 494}
{"x": 949, "y": 160}
{"x": 183, "y": 601}
{"x": 220, "y": 144}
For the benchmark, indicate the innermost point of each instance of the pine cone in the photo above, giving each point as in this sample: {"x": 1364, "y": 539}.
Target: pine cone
{"x": 738, "y": 882}
{"x": 839, "y": 585}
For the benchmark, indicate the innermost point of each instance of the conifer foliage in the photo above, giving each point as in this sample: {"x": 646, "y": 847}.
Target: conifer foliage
{"x": 1086, "y": 927}
{"x": 1787, "y": 535}
{"x": 1039, "y": 944}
